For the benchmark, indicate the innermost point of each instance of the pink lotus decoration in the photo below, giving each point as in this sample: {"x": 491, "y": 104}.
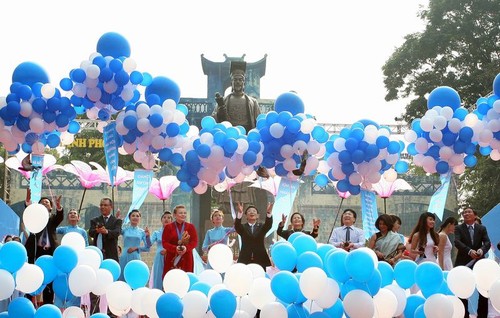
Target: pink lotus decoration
{"x": 272, "y": 184}
{"x": 164, "y": 187}
{"x": 122, "y": 175}
{"x": 385, "y": 188}
{"x": 88, "y": 177}
{"x": 49, "y": 164}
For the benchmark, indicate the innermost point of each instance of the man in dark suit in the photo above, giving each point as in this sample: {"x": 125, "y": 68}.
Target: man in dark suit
{"x": 104, "y": 231}
{"x": 45, "y": 241}
{"x": 253, "y": 233}
{"x": 472, "y": 242}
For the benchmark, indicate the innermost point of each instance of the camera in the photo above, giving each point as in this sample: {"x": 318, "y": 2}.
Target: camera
{"x": 99, "y": 225}
{"x": 346, "y": 244}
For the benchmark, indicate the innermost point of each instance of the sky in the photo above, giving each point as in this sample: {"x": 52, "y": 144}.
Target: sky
{"x": 330, "y": 52}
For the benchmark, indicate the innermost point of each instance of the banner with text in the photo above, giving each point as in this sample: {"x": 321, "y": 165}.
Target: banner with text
{"x": 142, "y": 182}
{"x": 111, "y": 150}
{"x": 369, "y": 212}
{"x": 36, "y": 178}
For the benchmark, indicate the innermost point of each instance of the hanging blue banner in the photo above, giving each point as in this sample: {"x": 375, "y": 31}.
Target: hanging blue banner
{"x": 36, "y": 178}
{"x": 111, "y": 150}
{"x": 283, "y": 202}
{"x": 369, "y": 212}
{"x": 438, "y": 200}
{"x": 142, "y": 182}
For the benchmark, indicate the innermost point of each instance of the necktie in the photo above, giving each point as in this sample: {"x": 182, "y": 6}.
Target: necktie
{"x": 348, "y": 234}
{"x": 471, "y": 232}
{"x": 44, "y": 239}
{"x": 105, "y": 219}
{"x": 251, "y": 228}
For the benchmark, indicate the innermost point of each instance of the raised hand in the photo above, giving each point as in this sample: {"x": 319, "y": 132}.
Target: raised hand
{"x": 240, "y": 210}
{"x": 316, "y": 222}
{"x": 270, "y": 208}
{"x": 283, "y": 219}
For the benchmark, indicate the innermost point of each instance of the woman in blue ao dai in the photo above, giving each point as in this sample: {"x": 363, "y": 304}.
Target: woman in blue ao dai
{"x": 159, "y": 260}
{"x": 135, "y": 241}
{"x": 217, "y": 235}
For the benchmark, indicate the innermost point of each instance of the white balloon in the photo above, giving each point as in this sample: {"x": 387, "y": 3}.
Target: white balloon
{"x": 210, "y": 276}
{"x": 260, "y": 292}
{"x": 438, "y": 306}
{"x": 238, "y": 279}
{"x": 149, "y": 302}
{"x": 385, "y": 303}
{"x": 330, "y": 294}
{"x": 74, "y": 240}
{"x": 195, "y": 304}
{"x": 176, "y": 281}
{"x": 458, "y": 307}
{"x": 119, "y": 295}
{"x": 461, "y": 281}
{"x": 104, "y": 278}
{"x": 273, "y": 310}
{"x": 137, "y": 300}
{"x": 35, "y": 217}
{"x": 8, "y": 284}
{"x": 245, "y": 307}
{"x": 81, "y": 280}
{"x": 29, "y": 278}
{"x": 73, "y": 312}
{"x": 359, "y": 304}
{"x": 313, "y": 282}
{"x": 486, "y": 272}
{"x": 400, "y": 296}
{"x": 220, "y": 257}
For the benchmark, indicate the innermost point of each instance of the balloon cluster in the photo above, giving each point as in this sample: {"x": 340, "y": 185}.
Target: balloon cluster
{"x": 359, "y": 155}
{"x": 34, "y": 114}
{"x": 446, "y": 137}
{"x": 106, "y": 82}
{"x": 488, "y": 111}
{"x": 220, "y": 151}
{"x": 290, "y": 136}
{"x": 157, "y": 129}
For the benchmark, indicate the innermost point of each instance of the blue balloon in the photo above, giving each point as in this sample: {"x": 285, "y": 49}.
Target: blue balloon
{"x": 169, "y": 305}
{"x": 112, "y": 266}
{"x": 360, "y": 265}
{"x": 201, "y": 286}
{"x": 49, "y": 268}
{"x": 285, "y": 286}
{"x": 12, "y": 256}
{"x": 136, "y": 273}
{"x": 113, "y": 44}
{"x": 290, "y": 102}
{"x": 336, "y": 311}
{"x": 323, "y": 250}
{"x": 412, "y": 303}
{"x": 305, "y": 243}
{"x": 29, "y": 73}
{"x": 21, "y": 307}
{"x": 307, "y": 260}
{"x": 443, "y": 96}
{"x": 284, "y": 256}
{"x": 223, "y": 303}
{"x": 429, "y": 277}
{"x": 294, "y": 236}
{"x": 386, "y": 272}
{"x": 321, "y": 180}
{"x": 249, "y": 158}
{"x": 48, "y": 311}
{"x": 99, "y": 315}
{"x": 367, "y": 122}
{"x": 401, "y": 167}
{"x": 336, "y": 265}
{"x": 297, "y": 311}
{"x": 404, "y": 273}
{"x": 61, "y": 287}
{"x": 165, "y": 88}
{"x": 496, "y": 85}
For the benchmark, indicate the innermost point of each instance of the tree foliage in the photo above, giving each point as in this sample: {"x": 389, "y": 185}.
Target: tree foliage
{"x": 459, "y": 48}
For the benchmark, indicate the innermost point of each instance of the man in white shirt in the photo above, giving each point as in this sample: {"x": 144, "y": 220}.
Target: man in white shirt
{"x": 347, "y": 236}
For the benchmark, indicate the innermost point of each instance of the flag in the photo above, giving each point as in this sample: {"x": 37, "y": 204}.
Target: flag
{"x": 438, "y": 200}
{"x": 111, "y": 151}
{"x": 369, "y": 213}
{"x": 36, "y": 178}
{"x": 284, "y": 201}
{"x": 142, "y": 182}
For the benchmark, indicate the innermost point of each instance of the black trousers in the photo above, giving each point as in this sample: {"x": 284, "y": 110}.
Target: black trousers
{"x": 482, "y": 307}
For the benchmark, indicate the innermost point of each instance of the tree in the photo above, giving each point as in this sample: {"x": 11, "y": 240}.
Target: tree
{"x": 460, "y": 48}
